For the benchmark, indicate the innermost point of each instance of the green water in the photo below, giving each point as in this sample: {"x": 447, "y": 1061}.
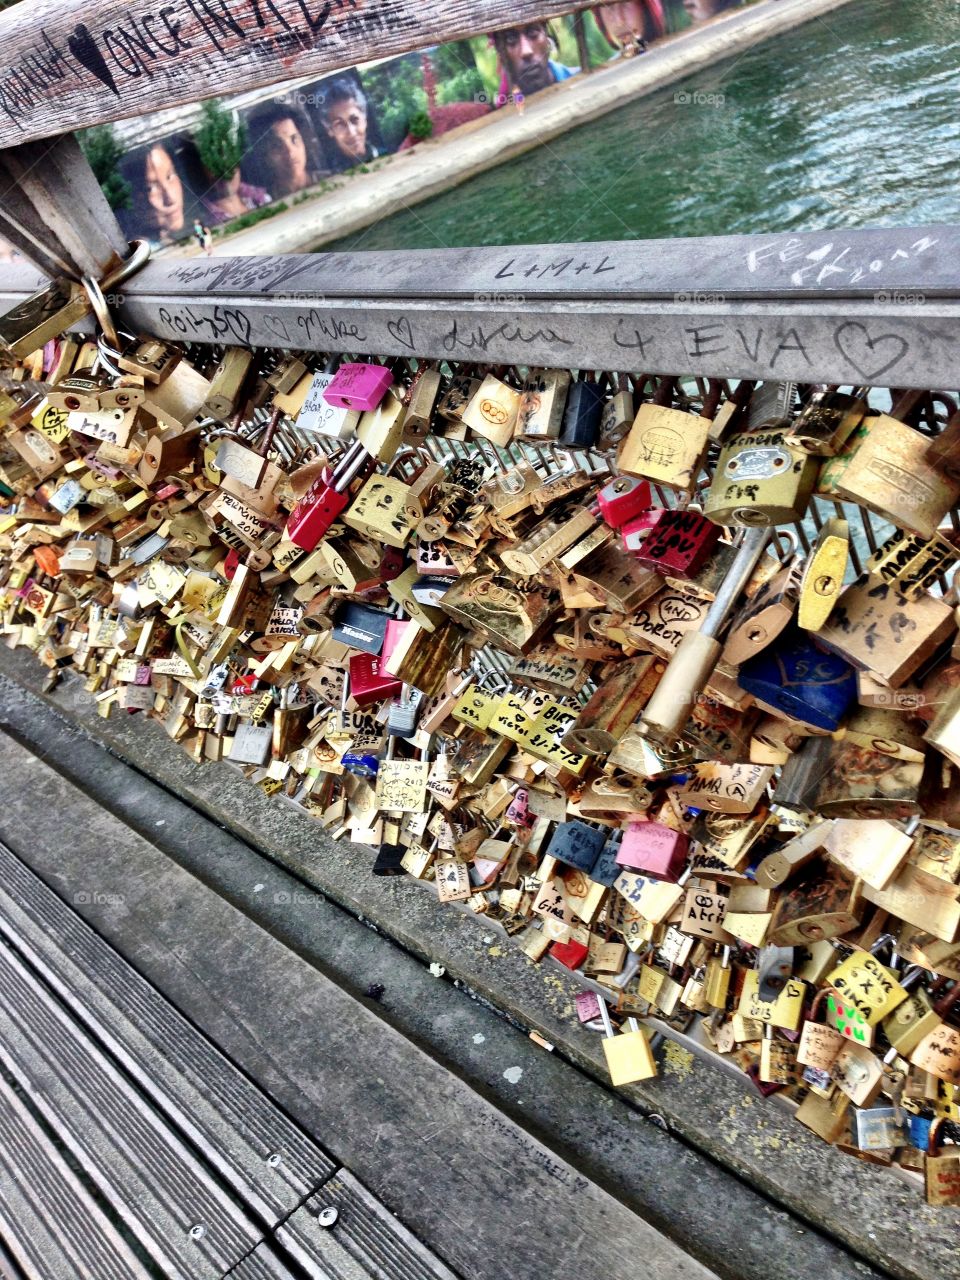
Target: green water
{"x": 850, "y": 121}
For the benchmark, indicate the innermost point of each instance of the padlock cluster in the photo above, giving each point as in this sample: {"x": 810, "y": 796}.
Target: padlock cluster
{"x": 661, "y": 680}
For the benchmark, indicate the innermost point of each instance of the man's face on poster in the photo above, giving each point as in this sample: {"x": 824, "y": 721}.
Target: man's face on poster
{"x": 286, "y": 155}
{"x": 623, "y": 20}
{"x": 526, "y": 51}
{"x": 164, "y": 190}
{"x": 346, "y": 123}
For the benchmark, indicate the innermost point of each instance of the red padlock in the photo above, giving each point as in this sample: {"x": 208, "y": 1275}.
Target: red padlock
{"x": 622, "y": 499}
{"x": 369, "y": 683}
{"x": 327, "y": 498}
{"x": 654, "y": 850}
{"x": 636, "y": 531}
{"x": 680, "y": 545}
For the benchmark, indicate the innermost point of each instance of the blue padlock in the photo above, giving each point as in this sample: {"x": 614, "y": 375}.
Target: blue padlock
{"x": 918, "y": 1131}
{"x": 606, "y": 870}
{"x": 576, "y": 845}
{"x": 797, "y": 678}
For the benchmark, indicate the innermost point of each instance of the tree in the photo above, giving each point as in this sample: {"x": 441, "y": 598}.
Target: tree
{"x": 103, "y": 153}
{"x": 221, "y": 140}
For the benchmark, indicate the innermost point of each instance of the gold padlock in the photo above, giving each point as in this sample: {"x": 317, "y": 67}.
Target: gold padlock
{"x": 542, "y": 403}
{"x": 385, "y": 509}
{"x": 665, "y": 445}
{"x": 884, "y": 468}
{"x": 823, "y": 574}
{"x": 759, "y": 480}
{"x": 492, "y": 411}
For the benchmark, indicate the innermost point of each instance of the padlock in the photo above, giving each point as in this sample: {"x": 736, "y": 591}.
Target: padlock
{"x": 327, "y": 498}
{"x": 368, "y": 684}
{"x": 227, "y": 383}
{"x": 385, "y": 510}
{"x": 871, "y": 848}
{"x": 665, "y": 445}
{"x": 883, "y": 467}
{"x": 941, "y": 1171}
{"x": 358, "y": 386}
{"x": 654, "y": 850}
{"x": 876, "y": 629}
{"x": 576, "y": 844}
{"x": 150, "y": 358}
{"x": 827, "y": 420}
{"x": 584, "y": 409}
{"x": 717, "y": 979}
{"x": 542, "y": 404}
{"x": 759, "y": 481}
{"x": 492, "y": 411}
{"x": 615, "y": 706}
{"x": 495, "y": 609}
{"x": 624, "y": 499}
{"x": 419, "y": 402}
{"x": 796, "y": 678}
{"x": 823, "y": 574}
{"x": 823, "y": 901}
{"x": 402, "y": 717}
{"x": 618, "y": 414}
{"x": 911, "y": 563}
{"x": 764, "y": 617}
{"x": 628, "y": 1054}
{"x": 679, "y": 545}
{"x": 47, "y": 314}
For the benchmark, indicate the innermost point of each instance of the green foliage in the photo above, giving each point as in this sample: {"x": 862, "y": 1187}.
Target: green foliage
{"x": 221, "y": 140}
{"x": 453, "y": 58}
{"x": 396, "y": 95}
{"x": 103, "y": 153}
{"x": 421, "y": 126}
{"x": 465, "y": 86}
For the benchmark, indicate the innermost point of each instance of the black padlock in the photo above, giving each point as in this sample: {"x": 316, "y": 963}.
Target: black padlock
{"x": 581, "y": 420}
{"x": 576, "y": 845}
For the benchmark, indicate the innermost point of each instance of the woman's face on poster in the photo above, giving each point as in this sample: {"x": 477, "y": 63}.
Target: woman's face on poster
{"x": 163, "y": 190}
{"x": 346, "y": 123}
{"x": 286, "y": 155}
{"x": 624, "y": 19}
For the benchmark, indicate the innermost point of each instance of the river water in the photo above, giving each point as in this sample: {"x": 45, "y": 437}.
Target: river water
{"x": 850, "y": 121}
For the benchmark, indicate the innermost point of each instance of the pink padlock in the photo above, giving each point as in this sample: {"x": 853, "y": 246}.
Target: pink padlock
{"x": 358, "y": 386}
{"x": 654, "y": 850}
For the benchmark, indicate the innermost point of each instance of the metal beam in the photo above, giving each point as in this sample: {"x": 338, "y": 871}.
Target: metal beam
{"x": 876, "y": 306}
{"x": 68, "y": 67}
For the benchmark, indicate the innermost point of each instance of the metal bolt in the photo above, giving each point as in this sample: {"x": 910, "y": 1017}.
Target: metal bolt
{"x": 198, "y": 1232}
{"x": 274, "y": 1159}
{"x": 327, "y": 1217}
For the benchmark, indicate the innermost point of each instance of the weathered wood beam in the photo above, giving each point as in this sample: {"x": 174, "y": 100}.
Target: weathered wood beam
{"x": 53, "y": 210}
{"x": 71, "y": 66}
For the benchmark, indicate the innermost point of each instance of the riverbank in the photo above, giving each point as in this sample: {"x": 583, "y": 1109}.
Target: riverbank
{"x": 432, "y": 167}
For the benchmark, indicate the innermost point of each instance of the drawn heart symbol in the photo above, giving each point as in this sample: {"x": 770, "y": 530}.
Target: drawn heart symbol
{"x": 402, "y": 331}
{"x": 84, "y": 48}
{"x": 855, "y": 344}
{"x": 277, "y": 326}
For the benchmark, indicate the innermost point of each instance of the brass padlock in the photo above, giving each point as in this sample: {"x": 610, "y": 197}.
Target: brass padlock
{"x": 386, "y": 510}
{"x": 823, "y": 574}
{"x": 884, "y": 468}
{"x": 542, "y": 403}
{"x": 759, "y": 480}
{"x": 912, "y": 563}
{"x": 492, "y": 411}
{"x": 827, "y": 420}
{"x": 47, "y": 314}
{"x": 876, "y": 629}
{"x": 499, "y": 612}
{"x": 665, "y": 445}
